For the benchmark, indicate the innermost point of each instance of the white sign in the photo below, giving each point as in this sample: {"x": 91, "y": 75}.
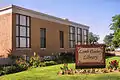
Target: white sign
{"x": 90, "y": 55}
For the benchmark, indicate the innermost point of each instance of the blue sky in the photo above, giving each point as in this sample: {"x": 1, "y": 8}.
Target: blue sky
{"x": 95, "y": 13}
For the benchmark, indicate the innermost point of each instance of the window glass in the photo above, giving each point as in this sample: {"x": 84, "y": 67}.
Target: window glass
{"x": 79, "y": 35}
{"x": 42, "y": 33}
{"x": 28, "y": 42}
{"x": 17, "y": 19}
{"x": 43, "y": 38}
{"x": 79, "y": 30}
{"x": 79, "y": 38}
{"x": 71, "y": 36}
{"x": 61, "y": 39}
{"x": 22, "y": 31}
{"x": 17, "y": 31}
{"x": 71, "y": 30}
{"x": 17, "y": 42}
{"x": 71, "y": 44}
{"x": 22, "y": 20}
{"x": 85, "y": 36}
{"x": 85, "y": 32}
{"x": 28, "y": 32}
{"x": 28, "y": 21}
{"x": 22, "y": 42}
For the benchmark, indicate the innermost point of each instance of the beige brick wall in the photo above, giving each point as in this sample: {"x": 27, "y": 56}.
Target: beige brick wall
{"x": 5, "y": 34}
{"x": 52, "y": 37}
{"x": 8, "y": 36}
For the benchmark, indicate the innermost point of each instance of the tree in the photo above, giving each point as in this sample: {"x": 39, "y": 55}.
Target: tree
{"x": 115, "y": 26}
{"x": 108, "y": 40}
{"x": 93, "y": 38}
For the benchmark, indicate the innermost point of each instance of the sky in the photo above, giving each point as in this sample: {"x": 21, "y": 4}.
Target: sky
{"x": 95, "y": 13}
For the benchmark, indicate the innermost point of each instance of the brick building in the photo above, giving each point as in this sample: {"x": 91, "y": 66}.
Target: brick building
{"x": 25, "y": 31}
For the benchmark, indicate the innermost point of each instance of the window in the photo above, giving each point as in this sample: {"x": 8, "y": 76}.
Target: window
{"x": 85, "y": 32}
{"x": 22, "y": 31}
{"x": 72, "y": 37}
{"x": 79, "y": 35}
{"x": 42, "y": 37}
{"x": 61, "y": 39}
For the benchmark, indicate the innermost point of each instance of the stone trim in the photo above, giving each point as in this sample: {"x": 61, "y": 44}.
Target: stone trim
{"x": 5, "y": 11}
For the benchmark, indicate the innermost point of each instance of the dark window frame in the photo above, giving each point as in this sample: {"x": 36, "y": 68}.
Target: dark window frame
{"x": 61, "y": 35}
{"x": 73, "y": 34}
{"x": 26, "y": 26}
{"x": 85, "y": 41}
{"x": 43, "y": 45}
{"x": 79, "y": 34}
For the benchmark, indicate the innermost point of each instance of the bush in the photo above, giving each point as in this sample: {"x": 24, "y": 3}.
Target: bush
{"x": 1, "y": 72}
{"x": 65, "y": 67}
{"x": 64, "y": 57}
{"x": 110, "y": 49}
{"x": 107, "y": 49}
{"x": 35, "y": 60}
{"x": 22, "y": 63}
{"x": 11, "y": 69}
{"x": 47, "y": 58}
{"x": 49, "y": 63}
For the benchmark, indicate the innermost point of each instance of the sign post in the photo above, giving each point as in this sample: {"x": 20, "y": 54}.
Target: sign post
{"x": 90, "y": 56}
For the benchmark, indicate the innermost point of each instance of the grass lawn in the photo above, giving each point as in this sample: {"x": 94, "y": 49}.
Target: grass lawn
{"x": 50, "y": 73}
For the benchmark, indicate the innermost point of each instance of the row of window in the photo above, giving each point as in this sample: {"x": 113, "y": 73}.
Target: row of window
{"x": 23, "y": 31}
{"x": 23, "y": 34}
{"x": 72, "y": 36}
{"x": 61, "y": 37}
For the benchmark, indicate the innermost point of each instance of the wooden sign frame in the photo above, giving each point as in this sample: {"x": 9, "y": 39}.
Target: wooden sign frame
{"x": 100, "y": 64}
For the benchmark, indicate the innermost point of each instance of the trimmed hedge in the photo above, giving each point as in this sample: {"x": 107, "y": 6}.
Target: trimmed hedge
{"x": 11, "y": 69}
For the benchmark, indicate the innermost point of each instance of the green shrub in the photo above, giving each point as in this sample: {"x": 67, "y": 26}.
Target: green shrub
{"x": 1, "y": 72}
{"x": 65, "y": 67}
{"x": 9, "y": 69}
{"x": 22, "y": 64}
{"x": 35, "y": 60}
{"x": 64, "y": 57}
{"x": 49, "y": 63}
